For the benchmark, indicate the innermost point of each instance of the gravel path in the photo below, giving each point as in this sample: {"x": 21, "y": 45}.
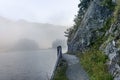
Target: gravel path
{"x": 74, "y": 70}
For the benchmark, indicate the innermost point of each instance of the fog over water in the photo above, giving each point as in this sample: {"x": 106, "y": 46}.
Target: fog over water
{"x": 30, "y": 31}
{"x": 21, "y": 57}
{"x": 43, "y": 34}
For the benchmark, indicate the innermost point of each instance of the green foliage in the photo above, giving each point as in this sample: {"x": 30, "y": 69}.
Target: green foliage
{"x": 107, "y": 25}
{"x": 111, "y": 20}
{"x": 69, "y": 33}
{"x": 101, "y": 39}
{"x": 117, "y": 10}
{"x": 109, "y": 4}
{"x": 83, "y": 6}
{"x": 77, "y": 22}
{"x": 93, "y": 62}
{"x": 60, "y": 73}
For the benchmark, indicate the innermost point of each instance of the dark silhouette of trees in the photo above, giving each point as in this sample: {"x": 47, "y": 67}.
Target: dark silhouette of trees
{"x": 59, "y": 42}
{"x": 26, "y": 44}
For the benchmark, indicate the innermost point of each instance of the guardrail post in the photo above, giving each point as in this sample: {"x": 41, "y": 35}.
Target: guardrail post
{"x": 59, "y": 51}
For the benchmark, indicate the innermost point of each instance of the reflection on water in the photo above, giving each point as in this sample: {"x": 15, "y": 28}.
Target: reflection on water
{"x": 27, "y": 65}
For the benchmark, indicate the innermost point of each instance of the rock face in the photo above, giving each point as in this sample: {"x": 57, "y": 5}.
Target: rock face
{"x": 91, "y": 28}
{"x": 112, "y": 49}
{"x": 93, "y": 20}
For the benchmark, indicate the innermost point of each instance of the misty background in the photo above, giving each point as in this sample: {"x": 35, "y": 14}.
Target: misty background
{"x": 30, "y": 31}
{"x": 44, "y": 35}
{"x": 42, "y": 22}
{"x": 58, "y": 12}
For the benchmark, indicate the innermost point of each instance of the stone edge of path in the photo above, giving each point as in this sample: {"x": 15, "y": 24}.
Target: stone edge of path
{"x": 74, "y": 70}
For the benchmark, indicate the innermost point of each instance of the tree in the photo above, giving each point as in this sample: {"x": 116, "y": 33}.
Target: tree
{"x": 59, "y": 42}
{"x": 26, "y": 44}
{"x": 83, "y": 6}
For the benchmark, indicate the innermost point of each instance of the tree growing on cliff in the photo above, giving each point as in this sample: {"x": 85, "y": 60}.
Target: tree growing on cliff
{"x": 83, "y": 6}
{"x": 59, "y": 42}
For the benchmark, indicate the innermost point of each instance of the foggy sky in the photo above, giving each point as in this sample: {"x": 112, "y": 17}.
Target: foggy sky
{"x": 59, "y": 12}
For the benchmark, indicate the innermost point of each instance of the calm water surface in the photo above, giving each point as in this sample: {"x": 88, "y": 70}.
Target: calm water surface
{"x": 27, "y": 65}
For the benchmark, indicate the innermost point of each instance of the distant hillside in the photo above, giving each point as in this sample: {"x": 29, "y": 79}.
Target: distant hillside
{"x": 42, "y": 33}
{"x": 26, "y": 44}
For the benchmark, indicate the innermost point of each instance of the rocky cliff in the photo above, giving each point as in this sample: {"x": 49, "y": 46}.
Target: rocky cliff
{"x": 100, "y": 27}
{"x": 89, "y": 29}
{"x": 111, "y": 48}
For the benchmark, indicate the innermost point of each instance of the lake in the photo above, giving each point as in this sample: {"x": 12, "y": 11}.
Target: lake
{"x": 27, "y": 65}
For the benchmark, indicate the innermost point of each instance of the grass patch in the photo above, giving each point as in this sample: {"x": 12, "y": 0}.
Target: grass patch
{"x": 60, "y": 73}
{"x": 93, "y": 62}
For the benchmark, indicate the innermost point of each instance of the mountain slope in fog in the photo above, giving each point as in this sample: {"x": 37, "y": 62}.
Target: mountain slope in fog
{"x": 42, "y": 33}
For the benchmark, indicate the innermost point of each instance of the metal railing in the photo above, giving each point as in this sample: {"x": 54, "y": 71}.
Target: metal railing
{"x": 59, "y": 56}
